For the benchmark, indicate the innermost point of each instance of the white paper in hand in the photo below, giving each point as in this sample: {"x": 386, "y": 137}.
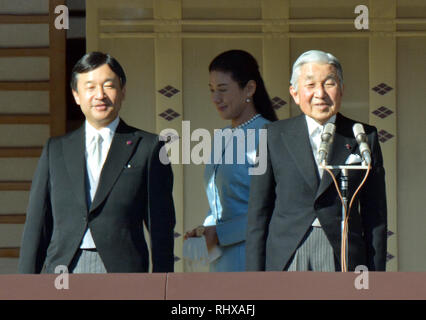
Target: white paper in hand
{"x": 196, "y": 255}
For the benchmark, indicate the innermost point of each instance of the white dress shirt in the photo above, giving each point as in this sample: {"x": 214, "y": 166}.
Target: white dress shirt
{"x": 107, "y": 134}
{"x": 315, "y": 130}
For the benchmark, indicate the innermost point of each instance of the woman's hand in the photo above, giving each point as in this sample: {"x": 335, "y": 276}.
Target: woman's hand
{"x": 208, "y": 232}
{"x": 211, "y": 237}
{"x": 189, "y": 234}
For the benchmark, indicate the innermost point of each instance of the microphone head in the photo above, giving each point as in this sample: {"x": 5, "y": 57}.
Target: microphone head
{"x": 359, "y": 132}
{"x": 326, "y": 140}
{"x": 328, "y": 132}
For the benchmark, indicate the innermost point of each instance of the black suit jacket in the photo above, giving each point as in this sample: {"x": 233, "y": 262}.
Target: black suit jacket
{"x": 127, "y": 196}
{"x": 289, "y": 196}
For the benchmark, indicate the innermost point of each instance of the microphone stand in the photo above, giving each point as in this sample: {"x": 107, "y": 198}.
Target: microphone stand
{"x": 344, "y": 189}
{"x": 344, "y": 183}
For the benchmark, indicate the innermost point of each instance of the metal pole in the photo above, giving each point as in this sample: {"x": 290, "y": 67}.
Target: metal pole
{"x": 344, "y": 188}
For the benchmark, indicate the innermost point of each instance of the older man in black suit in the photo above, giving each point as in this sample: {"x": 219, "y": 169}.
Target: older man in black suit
{"x": 294, "y": 217}
{"x": 94, "y": 188}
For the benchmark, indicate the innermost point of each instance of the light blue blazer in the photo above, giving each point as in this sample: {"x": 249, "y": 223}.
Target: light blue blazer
{"x": 227, "y": 185}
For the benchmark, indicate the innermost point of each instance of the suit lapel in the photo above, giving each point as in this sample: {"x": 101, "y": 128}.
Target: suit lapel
{"x": 344, "y": 143}
{"x": 73, "y": 147}
{"x": 122, "y": 148}
{"x": 296, "y": 140}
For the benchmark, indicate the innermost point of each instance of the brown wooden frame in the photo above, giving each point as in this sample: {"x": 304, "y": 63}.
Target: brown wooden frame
{"x": 56, "y": 85}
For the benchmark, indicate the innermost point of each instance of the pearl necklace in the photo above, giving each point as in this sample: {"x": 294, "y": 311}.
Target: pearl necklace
{"x": 247, "y": 122}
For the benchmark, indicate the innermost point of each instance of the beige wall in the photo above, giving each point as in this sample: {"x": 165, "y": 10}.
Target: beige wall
{"x": 411, "y": 154}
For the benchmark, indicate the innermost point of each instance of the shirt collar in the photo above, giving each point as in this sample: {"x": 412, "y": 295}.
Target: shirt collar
{"x": 106, "y": 132}
{"x": 313, "y": 125}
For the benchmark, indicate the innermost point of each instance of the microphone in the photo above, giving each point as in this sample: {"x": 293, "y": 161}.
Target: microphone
{"x": 326, "y": 140}
{"x": 362, "y": 140}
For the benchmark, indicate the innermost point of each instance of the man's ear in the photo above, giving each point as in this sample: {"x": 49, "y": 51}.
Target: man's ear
{"x": 123, "y": 91}
{"x": 294, "y": 94}
{"x": 76, "y": 97}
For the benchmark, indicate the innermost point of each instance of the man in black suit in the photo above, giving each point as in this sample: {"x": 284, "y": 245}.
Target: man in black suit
{"x": 294, "y": 217}
{"x": 94, "y": 188}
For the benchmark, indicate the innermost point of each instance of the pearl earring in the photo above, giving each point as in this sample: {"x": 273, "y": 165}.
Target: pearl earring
{"x": 248, "y": 100}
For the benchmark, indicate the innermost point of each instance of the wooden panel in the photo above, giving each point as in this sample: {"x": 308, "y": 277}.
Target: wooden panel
{"x": 24, "y": 7}
{"x": 24, "y": 69}
{"x": 12, "y": 218}
{"x": 245, "y": 22}
{"x": 276, "y": 56}
{"x": 382, "y": 58}
{"x": 9, "y": 252}
{"x": 23, "y": 19}
{"x": 20, "y": 152}
{"x": 13, "y": 202}
{"x": 11, "y": 235}
{"x": 24, "y": 85}
{"x": 92, "y": 26}
{"x": 168, "y": 71}
{"x": 57, "y": 40}
{"x": 17, "y": 169}
{"x": 15, "y": 185}
{"x": 23, "y": 135}
{"x": 55, "y": 118}
{"x": 24, "y": 52}
{"x": 24, "y": 102}
{"x": 24, "y": 35}
{"x": 411, "y": 156}
{"x": 24, "y": 119}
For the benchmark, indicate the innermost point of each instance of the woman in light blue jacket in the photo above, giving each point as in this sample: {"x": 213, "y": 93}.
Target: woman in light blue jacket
{"x": 239, "y": 94}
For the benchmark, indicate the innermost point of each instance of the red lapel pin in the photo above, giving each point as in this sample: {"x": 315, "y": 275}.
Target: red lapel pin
{"x": 129, "y": 142}
{"x": 348, "y": 146}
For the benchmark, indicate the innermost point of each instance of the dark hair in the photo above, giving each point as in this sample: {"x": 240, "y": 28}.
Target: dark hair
{"x": 93, "y": 60}
{"x": 243, "y": 67}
